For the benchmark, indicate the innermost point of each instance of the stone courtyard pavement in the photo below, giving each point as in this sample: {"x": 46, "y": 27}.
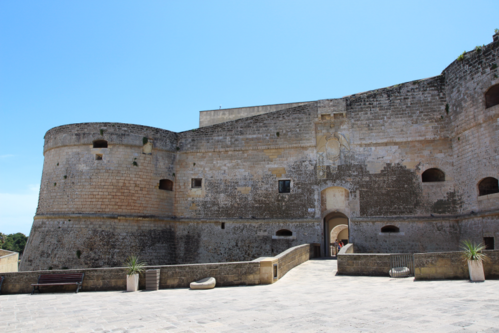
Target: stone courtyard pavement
{"x": 310, "y": 298}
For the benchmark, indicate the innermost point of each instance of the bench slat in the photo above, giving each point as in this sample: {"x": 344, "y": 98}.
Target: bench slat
{"x": 54, "y": 284}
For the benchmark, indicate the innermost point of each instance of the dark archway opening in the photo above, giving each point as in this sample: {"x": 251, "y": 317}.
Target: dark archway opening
{"x": 166, "y": 184}
{"x": 433, "y": 175}
{"x": 100, "y": 144}
{"x": 284, "y": 232}
{"x": 330, "y": 221}
{"x": 390, "y": 228}
{"x": 492, "y": 96}
{"x": 488, "y": 185}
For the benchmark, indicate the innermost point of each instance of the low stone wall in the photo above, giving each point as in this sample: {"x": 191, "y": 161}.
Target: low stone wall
{"x": 9, "y": 261}
{"x": 449, "y": 265}
{"x": 172, "y": 276}
{"x": 293, "y": 257}
{"x": 369, "y": 264}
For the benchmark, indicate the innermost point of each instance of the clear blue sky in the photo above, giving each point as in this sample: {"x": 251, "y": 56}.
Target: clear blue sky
{"x": 159, "y": 63}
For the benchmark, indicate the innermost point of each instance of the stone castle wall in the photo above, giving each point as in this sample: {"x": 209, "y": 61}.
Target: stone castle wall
{"x": 361, "y": 156}
{"x": 94, "y": 241}
{"x": 475, "y": 128}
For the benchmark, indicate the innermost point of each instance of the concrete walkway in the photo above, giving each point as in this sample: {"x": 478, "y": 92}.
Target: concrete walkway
{"x": 310, "y": 298}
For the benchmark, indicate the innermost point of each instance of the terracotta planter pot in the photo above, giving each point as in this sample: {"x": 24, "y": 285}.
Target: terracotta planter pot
{"x": 476, "y": 270}
{"x": 132, "y": 282}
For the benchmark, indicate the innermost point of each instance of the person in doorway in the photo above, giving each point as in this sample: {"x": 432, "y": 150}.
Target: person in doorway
{"x": 339, "y": 247}
{"x": 335, "y": 248}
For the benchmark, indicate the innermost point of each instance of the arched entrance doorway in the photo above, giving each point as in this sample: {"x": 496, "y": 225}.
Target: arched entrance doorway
{"x": 335, "y": 227}
{"x": 340, "y": 233}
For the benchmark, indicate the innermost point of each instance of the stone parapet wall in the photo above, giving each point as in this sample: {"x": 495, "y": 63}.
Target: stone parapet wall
{"x": 450, "y": 265}
{"x": 114, "y": 133}
{"x": 289, "y": 127}
{"x": 404, "y": 112}
{"x": 293, "y": 257}
{"x": 362, "y": 264}
{"x": 172, "y": 276}
{"x": 175, "y": 276}
{"x": 212, "y": 117}
{"x": 9, "y": 261}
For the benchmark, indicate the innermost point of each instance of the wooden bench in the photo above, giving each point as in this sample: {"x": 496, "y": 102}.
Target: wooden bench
{"x": 58, "y": 280}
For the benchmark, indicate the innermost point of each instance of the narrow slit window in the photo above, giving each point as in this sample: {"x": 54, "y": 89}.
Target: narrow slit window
{"x": 196, "y": 183}
{"x": 284, "y": 186}
{"x": 222, "y": 225}
{"x": 488, "y": 185}
{"x": 100, "y": 144}
{"x": 166, "y": 184}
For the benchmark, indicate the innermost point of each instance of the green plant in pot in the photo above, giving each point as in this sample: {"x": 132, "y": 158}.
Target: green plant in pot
{"x": 472, "y": 253}
{"x": 134, "y": 267}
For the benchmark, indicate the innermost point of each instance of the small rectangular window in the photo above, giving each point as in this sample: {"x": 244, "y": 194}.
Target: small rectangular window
{"x": 196, "y": 182}
{"x": 284, "y": 186}
{"x": 98, "y": 157}
{"x": 222, "y": 225}
{"x": 489, "y": 243}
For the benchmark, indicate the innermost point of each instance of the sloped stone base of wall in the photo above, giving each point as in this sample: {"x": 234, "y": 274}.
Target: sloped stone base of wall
{"x": 75, "y": 242}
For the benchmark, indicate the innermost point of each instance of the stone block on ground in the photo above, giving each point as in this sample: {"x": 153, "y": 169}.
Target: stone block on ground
{"x": 206, "y": 283}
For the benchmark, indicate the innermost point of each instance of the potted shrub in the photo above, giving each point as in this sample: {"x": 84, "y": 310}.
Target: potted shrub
{"x": 472, "y": 253}
{"x": 134, "y": 268}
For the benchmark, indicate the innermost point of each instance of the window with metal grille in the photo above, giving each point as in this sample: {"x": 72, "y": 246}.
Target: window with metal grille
{"x": 284, "y": 186}
{"x": 488, "y": 185}
{"x": 196, "y": 182}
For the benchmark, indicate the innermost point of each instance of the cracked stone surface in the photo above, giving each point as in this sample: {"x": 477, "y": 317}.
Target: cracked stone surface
{"x": 310, "y": 298}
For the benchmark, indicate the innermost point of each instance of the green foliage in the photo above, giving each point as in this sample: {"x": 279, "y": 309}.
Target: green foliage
{"x": 78, "y": 253}
{"x": 193, "y": 164}
{"x": 496, "y": 31}
{"x": 472, "y": 251}
{"x": 461, "y": 56}
{"x": 101, "y": 132}
{"x": 57, "y": 163}
{"x": 135, "y": 163}
{"x": 478, "y": 49}
{"x": 134, "y": 265}
{"x": 447, "y": 108}
{"x": 277, "y": 133}
{"x": 145, "y": 140}
{"x": 494, "y": 66}
{"x": 173, "y": 174}
{"x": 55, "y": 184}
{"x": 65, "y": 177}
{"x": 13, "y": 242}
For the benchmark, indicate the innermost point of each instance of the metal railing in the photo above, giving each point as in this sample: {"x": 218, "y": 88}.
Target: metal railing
{"x": 402, "y": 265}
